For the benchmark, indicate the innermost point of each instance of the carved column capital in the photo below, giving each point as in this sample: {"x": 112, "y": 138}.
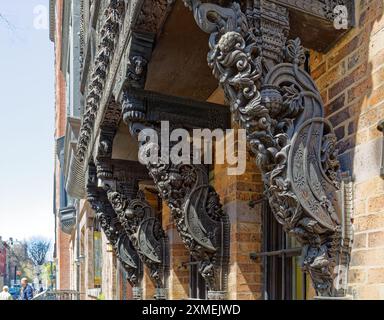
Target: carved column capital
{"x": 144, "y": 229}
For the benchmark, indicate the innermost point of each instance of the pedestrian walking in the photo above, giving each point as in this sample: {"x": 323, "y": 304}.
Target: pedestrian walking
{"x": 27, "y": 290}
{"x": 5, "y": 295}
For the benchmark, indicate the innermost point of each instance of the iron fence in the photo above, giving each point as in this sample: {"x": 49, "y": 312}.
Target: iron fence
{"x": 58, "y": 295}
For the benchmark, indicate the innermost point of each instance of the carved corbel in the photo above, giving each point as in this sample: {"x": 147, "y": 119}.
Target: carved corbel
{"x": 280, "y": 107}
{"x": 197, "y": 212}
{"x": 114, "y": 232}
{"x": 199, "y": 219}
{"x": 146, "y": 233}
{"x": 137, "y": 70}
{"x": 119, "y": 180}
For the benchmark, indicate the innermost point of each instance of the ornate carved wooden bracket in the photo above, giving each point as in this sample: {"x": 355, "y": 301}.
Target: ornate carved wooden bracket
{"x": 120, "y": 179}
{"x": 146, "y": 233}
{"x": 199, "y": 219}
{"x": 114, "y": 231}
{"x": 280, "y": 107}
{"x": 195, "y": 205}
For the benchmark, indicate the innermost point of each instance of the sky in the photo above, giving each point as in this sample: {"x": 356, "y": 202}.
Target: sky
{"x": 26, "y": 120}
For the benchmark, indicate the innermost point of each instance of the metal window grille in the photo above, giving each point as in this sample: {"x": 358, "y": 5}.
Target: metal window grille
{"x": 283, "y": 278}
{"x": 197, "y": 285}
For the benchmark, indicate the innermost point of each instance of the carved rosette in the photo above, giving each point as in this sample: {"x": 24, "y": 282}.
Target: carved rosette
{"x": 113, "y": 230}
{"x": 114, "y": 15}
{"x": 279, "y": 105}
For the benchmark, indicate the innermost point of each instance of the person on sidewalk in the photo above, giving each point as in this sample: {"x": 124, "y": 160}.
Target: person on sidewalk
{"x": 27, "y": 290}
{"x": 5, "y": 295}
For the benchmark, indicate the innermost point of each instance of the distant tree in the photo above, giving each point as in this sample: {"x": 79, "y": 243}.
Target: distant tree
{"x": 37, "y": 250}
{"x": 19, "y": 259}
{"x": 20, "y": 252}
{"x": 8, "y": 24}
{"x": 4, "y": 20}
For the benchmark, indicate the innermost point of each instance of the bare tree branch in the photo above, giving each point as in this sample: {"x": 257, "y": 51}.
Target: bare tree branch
{"x": 37, "y": 250}
{"x": 7, "y": 22}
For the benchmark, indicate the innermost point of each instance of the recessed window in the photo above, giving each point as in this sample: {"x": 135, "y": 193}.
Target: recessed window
{"x": 197, "y": 285}
{"x": 284, "y": 279}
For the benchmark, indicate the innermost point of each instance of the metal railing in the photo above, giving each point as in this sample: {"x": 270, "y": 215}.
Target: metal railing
{"x": 58, "y": 295}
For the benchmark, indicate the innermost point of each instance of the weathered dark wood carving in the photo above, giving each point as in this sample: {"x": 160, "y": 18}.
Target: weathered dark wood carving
{"x": 152, "y": 15}
{"x": 114, "y": 14}
{"x": 146, "y": 233}
{"x": 199, "y": 218}
{"x": 320, "y": 8}
{"x": 195, "y": 205}
{"x": 151, "y": 107}
{"x": 113, "y": 230}
{"x": 119, "y": 179}
{"x": 279, "y": 105}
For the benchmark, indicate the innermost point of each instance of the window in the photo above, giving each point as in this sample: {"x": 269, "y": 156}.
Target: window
{"x": 97, "y": 256}
{"x": 284, "y": 279}
{"x": 123, "y": 284}
{"x": 197, "y": 285}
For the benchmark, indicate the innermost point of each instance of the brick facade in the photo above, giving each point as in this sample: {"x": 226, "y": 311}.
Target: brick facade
{"x": 62, "y": 239}
{"x": 237, "y": 193}
{"x": 178, "y": 278}
{"x": 351, "y": 80}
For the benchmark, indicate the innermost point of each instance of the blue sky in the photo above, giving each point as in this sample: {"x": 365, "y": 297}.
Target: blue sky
{"x": 26, "y": 122}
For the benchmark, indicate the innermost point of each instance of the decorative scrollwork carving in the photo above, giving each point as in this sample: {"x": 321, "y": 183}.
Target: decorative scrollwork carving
{"x": 198, "y": 215}
{"x": 279, "y": 105}
{"x": 152, "y": 15}
{"x": 145, "y": 232}
{"x": 134, "y": 214}
{"x": 329, "y": 7}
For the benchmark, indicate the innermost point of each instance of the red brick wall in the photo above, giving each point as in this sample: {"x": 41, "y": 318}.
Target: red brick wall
{"x": 178, "y": 280}
{"x": 236, "y": 194}
{"x": 62, "y": 240}
{"x": 351, "y": 79}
